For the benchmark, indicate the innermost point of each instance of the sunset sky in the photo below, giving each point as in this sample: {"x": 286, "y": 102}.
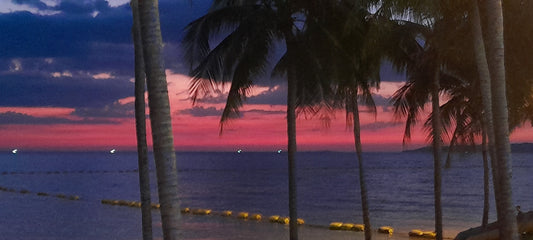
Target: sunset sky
{"x": 66, "y": 83}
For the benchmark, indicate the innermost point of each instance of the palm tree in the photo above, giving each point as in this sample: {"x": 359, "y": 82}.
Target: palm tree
{"x": 463, "y": 107}
{"x": 448, "y": 23}
{"x": 410, "y": 99}
{"x": 353, "y": 62}
{"x": 520, "y": 102}
{"x": 495, "y": 60}
{"x": 488, "y": 126}
{"x": 427, "y": 68}
{"x": 243, "y": 55}
{"x": 163, "y": 143}
{"x": 140, "y": 126}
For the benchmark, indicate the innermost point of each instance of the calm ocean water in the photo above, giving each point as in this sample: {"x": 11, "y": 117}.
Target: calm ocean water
{"x": 399, "y": 186}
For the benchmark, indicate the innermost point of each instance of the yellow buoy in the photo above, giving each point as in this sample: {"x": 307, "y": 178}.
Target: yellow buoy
{"x": 335, "y": 226}
{"x": 74, "y": 197}
{"x": 416, "y": 233}
{"x": 243, "y": 215}
{"x": 429, "y": 234}
{"x": 359, "y": 227}
{"x": 201, "y": 211}
{"x": 185, "y": 210}
{"x": 226, "y": 213}
{"x": 300, "y": 221}
{"x": 347, "y": 226}
{"x": 256, "y": 216}
{"x": 385, "y": 229}
{"x": 274, "y": 218}
{"x": 134, "y": 204}
{"x": 284, "y": 220}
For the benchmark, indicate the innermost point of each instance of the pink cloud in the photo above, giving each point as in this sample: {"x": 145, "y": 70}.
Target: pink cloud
{"x": 262, "y": 128}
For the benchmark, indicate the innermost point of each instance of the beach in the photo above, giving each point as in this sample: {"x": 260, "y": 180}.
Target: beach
{"x": 400, "y": 194}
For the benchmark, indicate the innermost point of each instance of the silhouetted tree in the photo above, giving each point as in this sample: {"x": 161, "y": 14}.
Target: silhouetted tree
{"x": 140, "y": 126}
{"x": 162, "y": 136}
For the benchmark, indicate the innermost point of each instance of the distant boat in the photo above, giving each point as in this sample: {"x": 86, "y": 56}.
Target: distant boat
{"x": 112, "y": 151}
{"x": 239, "y": 151}
{"x": 279, "y": 151}
{"x": 14, "y": 151}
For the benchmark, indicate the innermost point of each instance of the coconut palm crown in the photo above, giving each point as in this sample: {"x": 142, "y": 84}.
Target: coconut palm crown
{"x": 249, "y": 34}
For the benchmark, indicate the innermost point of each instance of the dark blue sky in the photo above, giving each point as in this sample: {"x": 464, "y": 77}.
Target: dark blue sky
{"x": 76, "y": 40}
{"x": 80, "y": 39}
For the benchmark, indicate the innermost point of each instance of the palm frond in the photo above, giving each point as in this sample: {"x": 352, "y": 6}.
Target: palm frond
{"x": 218, "y": 65}
{"x": 250, "y": 65}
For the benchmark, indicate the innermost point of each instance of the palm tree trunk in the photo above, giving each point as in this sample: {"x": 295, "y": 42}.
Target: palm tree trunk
{"x": 362, "y": 182}
{"x": 291, "y": 133}
{"x": 163, "y": 141}
{"x": 486, "y": 189}
{"x": 453, "y": 142}
{"x": 486, "y": 99}
{"x": 140, "y": 126}
{"x": 495, "y": 60}
{"x": 437, "y": 129}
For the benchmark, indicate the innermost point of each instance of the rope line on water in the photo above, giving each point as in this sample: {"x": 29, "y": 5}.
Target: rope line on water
{"x": 42, "y": 194}
{"x": 68, "y": 172}
{"x": 255, "y": 217}
{"x": 337, "y": 226}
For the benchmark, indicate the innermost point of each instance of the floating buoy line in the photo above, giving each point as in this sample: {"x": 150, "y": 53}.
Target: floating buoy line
{"x": 56, "y": 172}
{"x": 68, "y": 172}
{"x": 247, "y": 216}
{"x": 42, "y": 194}
{"x": 204, "y": 211}
{"x": 250, "y": 216}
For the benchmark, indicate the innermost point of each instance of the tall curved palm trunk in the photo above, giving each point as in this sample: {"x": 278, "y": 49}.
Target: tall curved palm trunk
{"x": 484, "y": 83}
{"x": 359, "y": 151}
{"x": 495, "y": 60}
{"x": 140, "y": 126}
{"x": 163, "y": 141}
{"x": 437, "y": 129}
{"x": 292, "y": 91}
{"x": 291, "y": 133}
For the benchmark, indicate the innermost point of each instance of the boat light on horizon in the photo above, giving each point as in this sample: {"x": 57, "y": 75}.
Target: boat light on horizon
{"x": 14, "y": 151}
{"x": 112, "y": 151}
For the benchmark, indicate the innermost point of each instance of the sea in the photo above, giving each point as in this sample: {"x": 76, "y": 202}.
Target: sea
{"x": 37, "y": 188}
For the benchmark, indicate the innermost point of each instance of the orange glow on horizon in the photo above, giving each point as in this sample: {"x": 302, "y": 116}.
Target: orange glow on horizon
{"x": 263, "y": 128}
